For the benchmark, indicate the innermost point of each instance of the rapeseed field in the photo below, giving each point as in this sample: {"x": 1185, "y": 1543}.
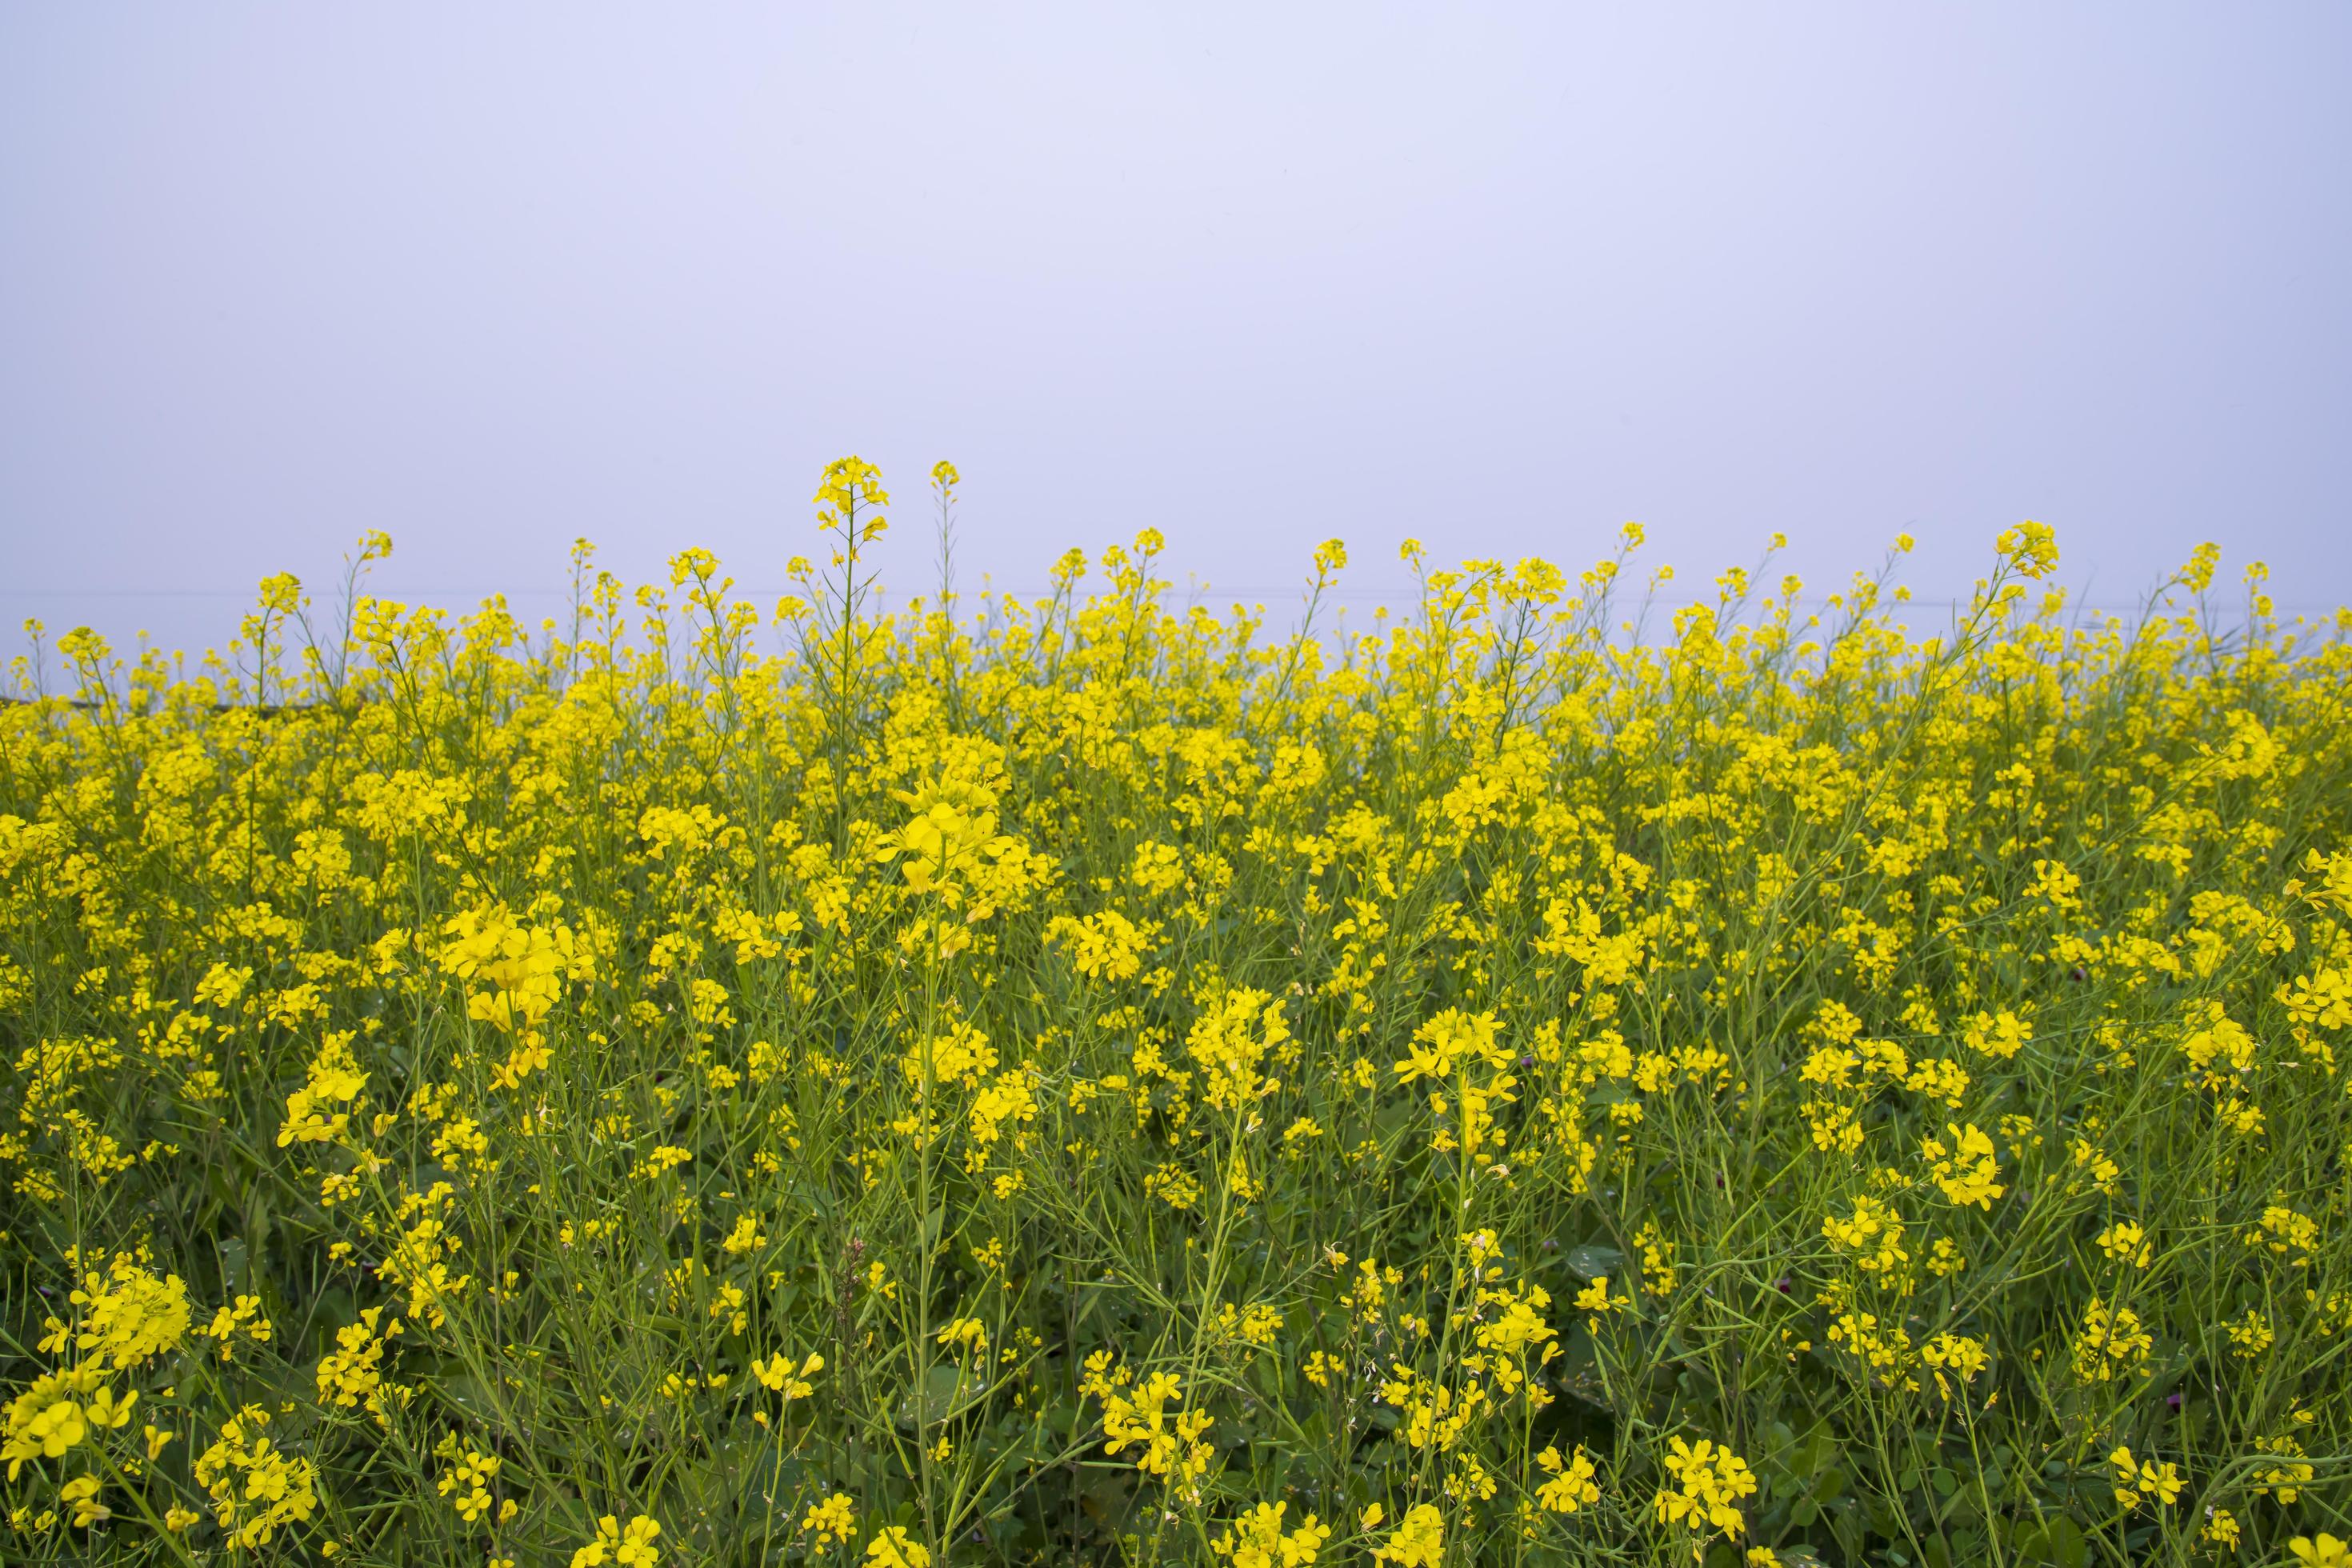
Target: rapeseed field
{"x": 1564, "y": 1074}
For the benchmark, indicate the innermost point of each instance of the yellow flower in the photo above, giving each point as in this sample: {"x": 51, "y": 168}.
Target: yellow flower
{"x": 45, "y": 1421}
{"x": 1572, "y": 1486}
{"x": 106, "y": 1412}
{"x": 778, "y": 1373}
{"x": 893, "y": 1548}
{"x": 1418, "y": 1541}
{"x": 2126, "y": 1242}
{"x": 1105, "y": 945}
{"x": 1875, "y": 1231}
{"x": 2139, "y": 1480}
{"x": 1595, "y": 1301}
{"x": 1144, "y": 1416}
{"x": 968, "y": 1334}
{"x": 1998, "y": 1035}
{"x": 81, "y": 1494}
{"x": 2221, "y": 1528}
{"x": 1259, "y": 996}
{"x": 1956, "y": 1353}
{"x": 1256, "y": 1539}
{"x": 629, "y": 1545}
{"x": 1966, "y": 1167}
{"x": 2031, "y": 547}
{"x": 1709, "y": 1481}
{"x": 830, "y": 1520}
{"x": 130, "y": 1314}
{"x": 2251, "y": 1334}
{"x": 2110, "y": 1344}
{"x": 466, "y": 1482}
{"x": 257, "y": 1488}
{"x": 1438, "y": 1045}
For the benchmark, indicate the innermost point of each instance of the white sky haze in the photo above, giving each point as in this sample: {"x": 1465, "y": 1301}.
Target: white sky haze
{"x": 1502, "y": 277}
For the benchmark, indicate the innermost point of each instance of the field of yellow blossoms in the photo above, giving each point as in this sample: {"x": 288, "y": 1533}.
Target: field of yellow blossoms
{"x": 1564, "y": 1075}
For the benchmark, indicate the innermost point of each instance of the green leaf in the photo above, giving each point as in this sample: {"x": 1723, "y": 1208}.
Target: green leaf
{"x": 2055, "y": 1542}
{"x": 947, "y": 1392}
{"x": 1590, "y": 1260}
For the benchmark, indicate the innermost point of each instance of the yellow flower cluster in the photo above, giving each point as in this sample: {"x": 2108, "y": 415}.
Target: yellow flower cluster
{"x": 1706, "y": 1484}
{"x": 1570, "y": 1067}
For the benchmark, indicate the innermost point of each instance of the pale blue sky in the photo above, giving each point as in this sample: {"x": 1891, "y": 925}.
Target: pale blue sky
{"x": 1503, "y": 277}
